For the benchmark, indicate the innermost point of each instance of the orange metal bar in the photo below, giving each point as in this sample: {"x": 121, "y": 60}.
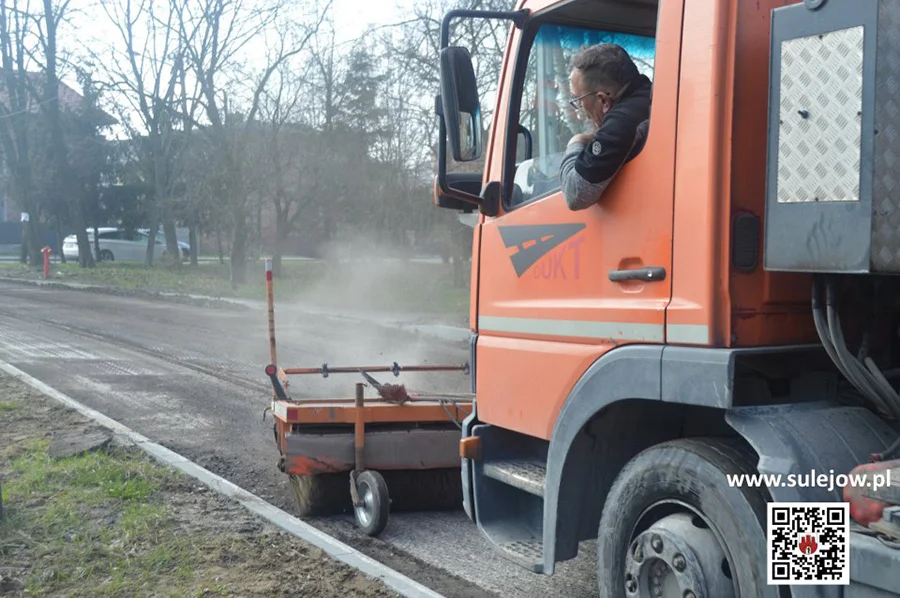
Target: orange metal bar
{"x": 359, "y": 428}
{"x": 357, "y": 369}
{"x": 270, "y": 298}
{"x": 346, "y": 412}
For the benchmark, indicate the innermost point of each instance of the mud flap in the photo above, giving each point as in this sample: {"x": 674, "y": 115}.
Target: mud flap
{"x": 806, "y": 437}
{"x": 811, "y": 439}
{"x": 468, "y": 496}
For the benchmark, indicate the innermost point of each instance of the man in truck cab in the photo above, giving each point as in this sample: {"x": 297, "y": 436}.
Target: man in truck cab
{"x": 615, "y": 96}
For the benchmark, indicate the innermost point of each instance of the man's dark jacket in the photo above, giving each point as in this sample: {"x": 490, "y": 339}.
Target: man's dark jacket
{"x": 587, "y": 169}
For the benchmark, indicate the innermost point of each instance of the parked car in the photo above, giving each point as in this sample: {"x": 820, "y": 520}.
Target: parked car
{"x": 122, "y": 244}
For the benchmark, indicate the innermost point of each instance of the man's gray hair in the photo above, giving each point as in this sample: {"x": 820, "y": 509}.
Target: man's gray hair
{"x": 606, "y": 65}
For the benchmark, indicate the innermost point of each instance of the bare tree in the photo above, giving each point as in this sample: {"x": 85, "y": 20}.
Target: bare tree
{"x": 15, "y": 114}
{"x": 214, "y": 33}
{"x": 292, "y": 158}
{"x": 152, "y": 78}
{"x": 52, "y": 17}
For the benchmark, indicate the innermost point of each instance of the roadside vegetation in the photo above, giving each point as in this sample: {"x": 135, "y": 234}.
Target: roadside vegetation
{"x": 111, "y": 522}
{"x": 247, "y": 126}
{"x": 377, "y": 285}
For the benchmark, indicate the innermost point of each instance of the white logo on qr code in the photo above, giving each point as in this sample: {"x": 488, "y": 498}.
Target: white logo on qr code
{"x": 808, "y": 543}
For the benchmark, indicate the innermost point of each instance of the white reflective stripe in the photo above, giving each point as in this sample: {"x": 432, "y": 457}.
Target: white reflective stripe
{"x": 279, "y": 410}
{"x": 695, "y": 334}
{"x": 692, "y": 334}
{"x": 574, "y": 328}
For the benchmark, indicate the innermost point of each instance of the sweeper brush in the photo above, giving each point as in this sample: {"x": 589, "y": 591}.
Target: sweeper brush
{"x": 398, "y": 451}
{"x": 410, "y": 490}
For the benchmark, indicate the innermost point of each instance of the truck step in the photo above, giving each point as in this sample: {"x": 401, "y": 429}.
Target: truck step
{"x": 525, "y": 553}
{"x": 524, "y": 474}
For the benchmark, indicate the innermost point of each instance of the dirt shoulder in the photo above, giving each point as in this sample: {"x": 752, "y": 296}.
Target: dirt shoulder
{"x": 111, "y": 522}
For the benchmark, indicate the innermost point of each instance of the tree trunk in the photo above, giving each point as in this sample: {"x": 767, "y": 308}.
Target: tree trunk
{"x": 151, "y": 241}
{"x": 195, "y": 247}
{"x": 219, "y": 244}
{"x": 168, "y": 222}
{"x": 238, "y": 256}
{"x": 85, "y": 253}
{"x": 31, "y": 250}
{"x": 59, "y": 245}
{"x": 24, "y": 242}
{"x": 281, "y": 233}
{"x": 96, "y": 244}
{"x": 58, "y": 139}
{"x": 35, "y": 249}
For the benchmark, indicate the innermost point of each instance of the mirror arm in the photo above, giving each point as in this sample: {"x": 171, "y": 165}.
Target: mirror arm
{"x": 517, "y": 17}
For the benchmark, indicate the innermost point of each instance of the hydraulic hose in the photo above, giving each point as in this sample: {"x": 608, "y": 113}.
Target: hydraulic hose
{"x": 859, "y": 377}
{"x": 824, "y": 336}
{"x": 883, "y": 383}
{"x": 885, "y": 398}
{"x": 846, "y": 362}
{"x": 822, "y": 329}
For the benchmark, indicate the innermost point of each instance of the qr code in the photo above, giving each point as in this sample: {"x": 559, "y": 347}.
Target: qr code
{"x": 808, "y": 543}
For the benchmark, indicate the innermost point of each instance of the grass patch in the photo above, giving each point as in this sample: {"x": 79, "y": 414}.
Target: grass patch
{"x": 376, "y": 285}
{"x": 7, "y": 406}
{"x": 114, "y": 523}
{"x": 88, "y": 521}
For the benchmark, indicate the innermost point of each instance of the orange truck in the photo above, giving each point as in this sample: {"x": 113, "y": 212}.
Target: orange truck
{"x": 729, "y": 307}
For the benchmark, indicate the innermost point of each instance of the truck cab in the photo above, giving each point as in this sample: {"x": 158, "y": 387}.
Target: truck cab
{"x": 628, "y": 357}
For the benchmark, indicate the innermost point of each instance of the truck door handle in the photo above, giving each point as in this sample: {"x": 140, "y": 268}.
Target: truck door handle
{"x": 649, "y": 274}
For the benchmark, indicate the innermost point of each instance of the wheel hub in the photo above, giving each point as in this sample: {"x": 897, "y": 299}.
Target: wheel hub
{"x": 677, "y": 557}
{"x": 364, "y": 511}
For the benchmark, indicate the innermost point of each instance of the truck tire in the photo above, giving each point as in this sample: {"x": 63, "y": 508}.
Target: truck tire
{"x": 672, "y": 520}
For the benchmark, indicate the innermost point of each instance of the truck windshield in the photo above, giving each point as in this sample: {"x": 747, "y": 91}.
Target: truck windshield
{"x": 545, "y": 111}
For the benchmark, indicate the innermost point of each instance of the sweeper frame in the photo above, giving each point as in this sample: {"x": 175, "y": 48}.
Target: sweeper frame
{"x": 399, "y": 435}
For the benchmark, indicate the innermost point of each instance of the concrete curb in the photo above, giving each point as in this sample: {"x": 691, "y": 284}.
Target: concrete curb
{"x": 332, "y": 547}
{"x": 180, "y": 298}
{"x": 436, "y": 331}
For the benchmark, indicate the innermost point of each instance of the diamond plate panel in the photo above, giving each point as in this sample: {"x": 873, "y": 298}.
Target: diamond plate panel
{"x": 820, "y": 131}
{"x": 886, "y": 191}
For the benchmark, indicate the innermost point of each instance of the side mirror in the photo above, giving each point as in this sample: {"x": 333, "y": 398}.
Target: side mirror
{"x": 461, "y": 108}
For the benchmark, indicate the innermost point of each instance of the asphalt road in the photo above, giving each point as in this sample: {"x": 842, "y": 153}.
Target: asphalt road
{"x": 191, "y": 379}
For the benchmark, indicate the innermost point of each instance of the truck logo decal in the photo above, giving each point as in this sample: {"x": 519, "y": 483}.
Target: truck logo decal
{"x": 540, "y": 238}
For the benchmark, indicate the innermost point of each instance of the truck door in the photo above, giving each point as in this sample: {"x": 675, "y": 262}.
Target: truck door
{"x": 559, "y": 288}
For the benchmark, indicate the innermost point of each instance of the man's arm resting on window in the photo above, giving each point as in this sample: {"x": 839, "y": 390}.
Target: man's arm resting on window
{"x": 588, "y": 167}
{"x": 578, "y": 191}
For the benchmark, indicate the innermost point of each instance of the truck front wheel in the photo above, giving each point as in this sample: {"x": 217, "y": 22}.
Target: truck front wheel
{"x": 672, "y": 525}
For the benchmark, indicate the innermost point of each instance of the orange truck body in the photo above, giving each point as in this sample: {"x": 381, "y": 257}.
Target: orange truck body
{"x": 583, "y": 377}
{"x": 672, "y": 206}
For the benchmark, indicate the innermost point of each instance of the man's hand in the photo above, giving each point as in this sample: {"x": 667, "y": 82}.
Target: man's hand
{"x": 582, "y": 138}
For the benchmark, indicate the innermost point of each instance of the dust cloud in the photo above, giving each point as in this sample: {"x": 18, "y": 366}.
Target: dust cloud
{"x": 361, "y": 277}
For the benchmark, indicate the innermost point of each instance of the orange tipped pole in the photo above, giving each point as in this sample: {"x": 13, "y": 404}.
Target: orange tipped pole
{"x": 270, "y": 298}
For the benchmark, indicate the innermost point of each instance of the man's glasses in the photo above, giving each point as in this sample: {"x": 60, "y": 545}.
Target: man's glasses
{"x": 577, "y": 103}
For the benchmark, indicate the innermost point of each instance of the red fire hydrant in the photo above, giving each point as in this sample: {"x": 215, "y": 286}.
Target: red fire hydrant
{"x": 46, "y": 251}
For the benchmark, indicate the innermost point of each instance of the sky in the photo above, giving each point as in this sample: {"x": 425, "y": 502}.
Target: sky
{"x": 91, "y": 32}
{"x": 353, "y": 16}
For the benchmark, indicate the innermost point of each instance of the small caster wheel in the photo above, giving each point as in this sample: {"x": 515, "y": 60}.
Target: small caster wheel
{"x": 375, "y": 503}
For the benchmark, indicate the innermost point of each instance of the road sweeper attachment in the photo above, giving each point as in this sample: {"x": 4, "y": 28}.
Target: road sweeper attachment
{"x": 398, "y": 450}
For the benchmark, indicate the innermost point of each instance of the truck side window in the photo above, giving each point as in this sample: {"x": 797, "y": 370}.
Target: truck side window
{"x": 545, "y": 109}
